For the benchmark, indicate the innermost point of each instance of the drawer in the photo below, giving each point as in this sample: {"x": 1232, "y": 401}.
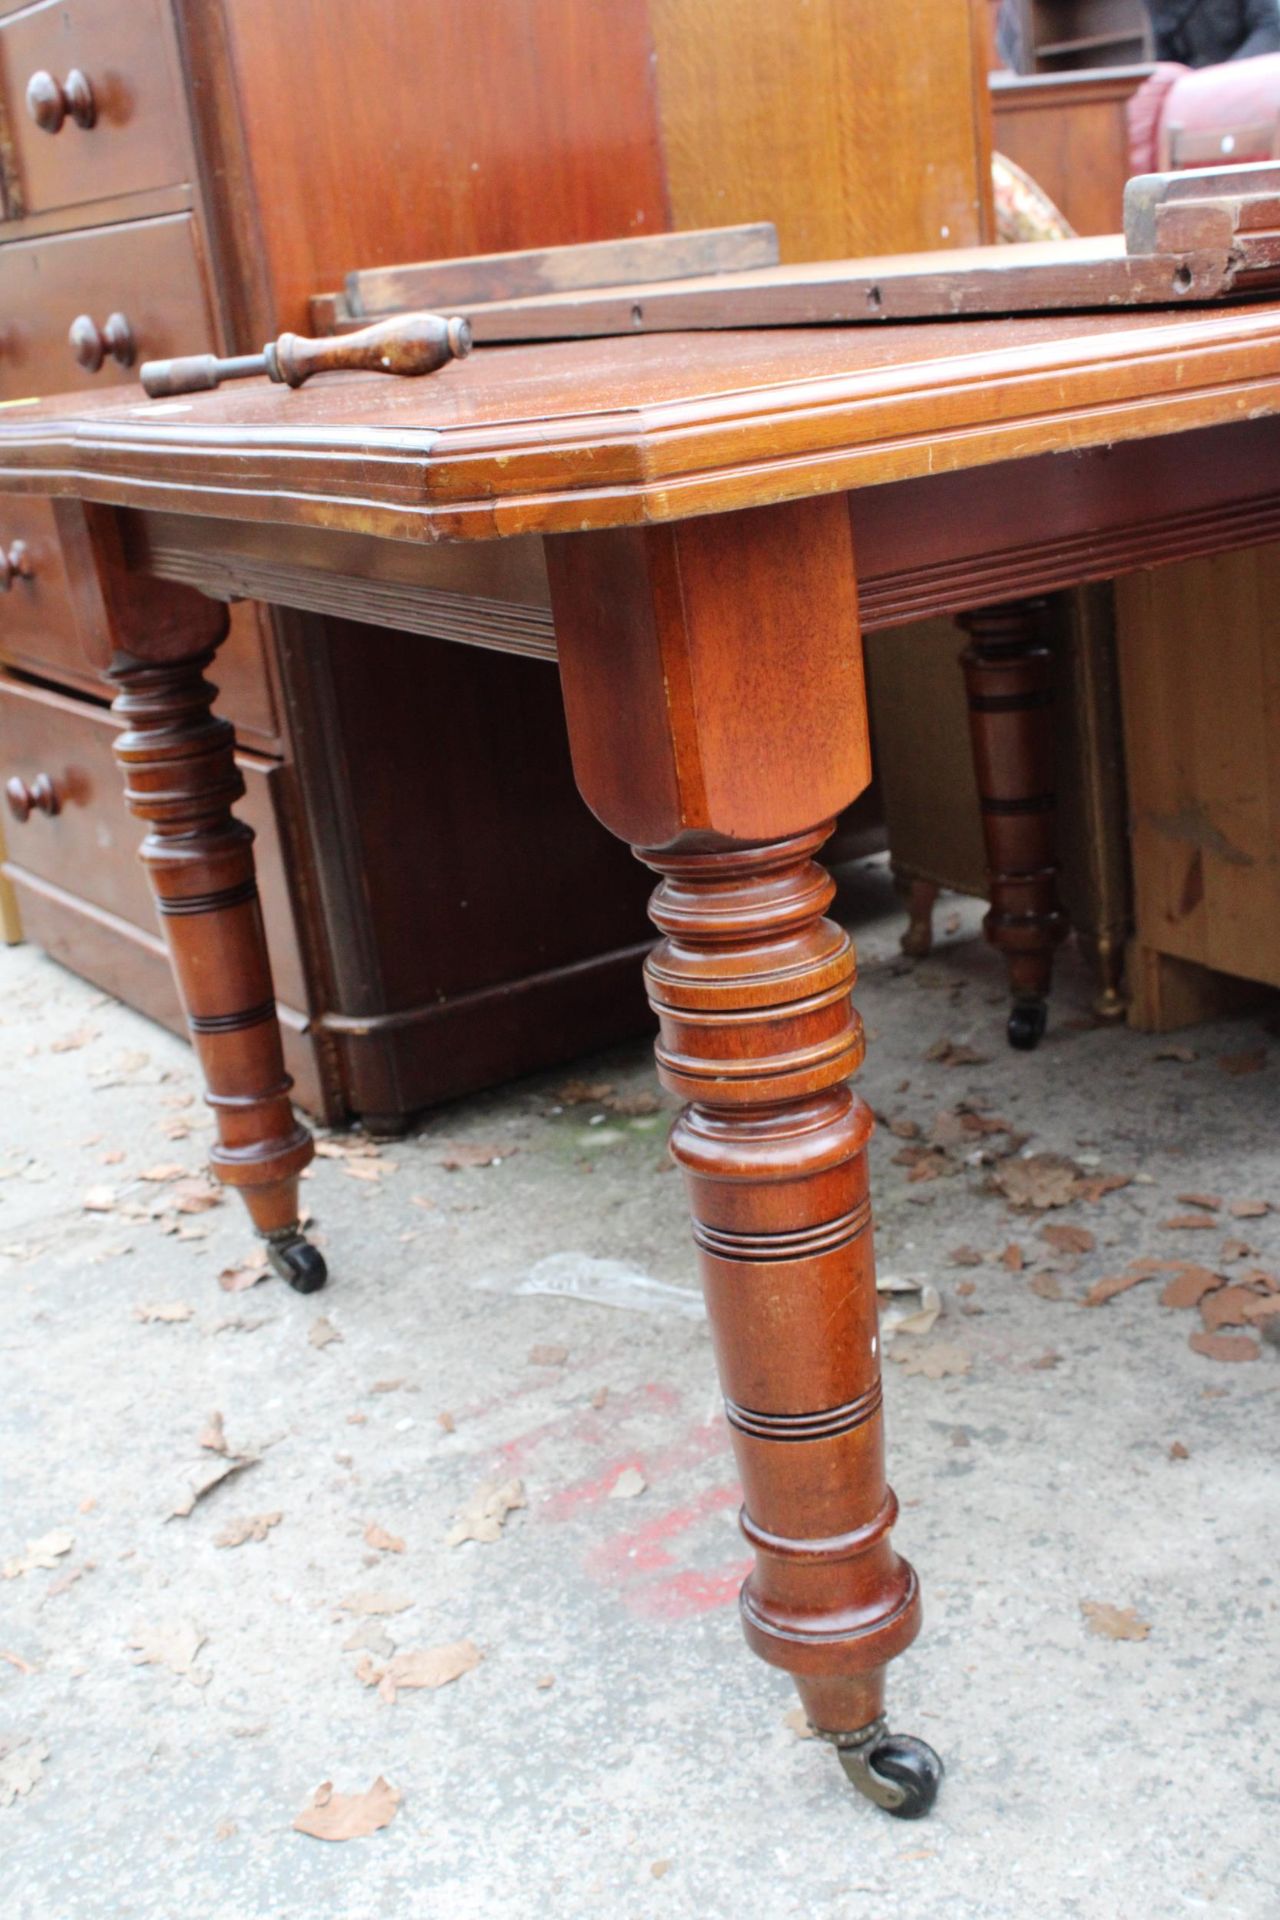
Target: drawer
{"x": 89, "y": 849}
{"x": 138, "y": 139}
{"x": 151, "y": 271}
{"x": 37, "y": 618}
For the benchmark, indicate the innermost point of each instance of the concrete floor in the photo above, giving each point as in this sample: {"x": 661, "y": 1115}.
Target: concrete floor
{"x": 617, "y": 1752}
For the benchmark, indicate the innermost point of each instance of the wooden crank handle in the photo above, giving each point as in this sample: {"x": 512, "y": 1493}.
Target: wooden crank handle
{"x": 194, "y": 374}
{"x": 411, "y": 343}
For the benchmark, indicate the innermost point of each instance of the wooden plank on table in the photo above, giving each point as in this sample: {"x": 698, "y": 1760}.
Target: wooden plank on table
{"x": 444, "y": 284}
{"x": 1147, "y": 193}
{"x": 1046, "y": 277}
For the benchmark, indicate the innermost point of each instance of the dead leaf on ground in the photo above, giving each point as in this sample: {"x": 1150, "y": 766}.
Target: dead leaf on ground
{"x": 1178, "y": 1452}
{"x": 323, "y": 1333}
{"x": 548, "y": 1356}
{"x": 1239, "y": 1063}
{"x": 584, "y": 1093}
{"x": 1095, "y": 1187}
{"x": 1211, "y": 1202}
{"x": 1068, "y": 1239}
{"x": 1047, "y": 1285}
{"x": 167, "y": 1170}
{"x": 1185, "y": 1054}
{"x": 1227, "y": 1307}
{"x": 16, "y": 1660}
{"x": 363, "y": 1605}
{"x": 245, "y": 1273}
{"x": 372, "y": 1637}
{"x": 20, "y": 1771}
{"x": 1013, "y": 1257}
{"x": 212, "y": 1477}
{"x": 194, "y": 1196}
{"x": 966, "y": 1257}
{"x": 1188, "y": 1286}
{"x": 1041, "y": 1180}
{"x": 167, "y": 1313}
{"x": 426, "y": 1670}
{"x": 1262, "y": 1309}
{"x": 39, "y": 1555}
{"x": 1189, "y": 1223}
{"x": 1114, "y": 1623}
{"x": 953, "y": 1053}
{"x": 599, "y": 1397}
{"x": 935, "y": 1361}
{"x": 371, "y": 1170}
{"x": 376, "y": 1536}
{"x": 902, "y": 1129}
{"x": 71, "y": 1042}
{"x": 1233, "y": 1250}
{"x": 348, "y": 1816}
{"x": 796, "y": 1720}
{"x": 467, "y": 1153}
{"x": 1047, "y": 1360}
{"x": 212, "y": 1436}
{"x": 484, "y": 1515}
{"x": 254, "y": 1526}
{"x": 1225, "y": 1346}
{"x": 628, "y": 1484}
{"x": 1112, "y": 1284}
{"x": 1248, "y": 1209}
{"x": 174, "y": 1647}
{"x": 99, "y": 1200}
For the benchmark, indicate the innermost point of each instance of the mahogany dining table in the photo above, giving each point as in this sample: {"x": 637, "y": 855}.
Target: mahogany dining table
{"x": 712, "y": 519}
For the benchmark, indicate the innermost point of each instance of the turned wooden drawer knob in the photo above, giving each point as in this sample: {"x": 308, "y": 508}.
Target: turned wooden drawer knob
{"x": 91, "y": 345}
{"x": 49, "y": 102}
{"x": 15, "y": 564}
{"x": 40, "y": 797}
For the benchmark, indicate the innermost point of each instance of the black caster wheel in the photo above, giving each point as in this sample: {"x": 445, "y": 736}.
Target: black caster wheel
{"x": 297, "y": 1261}
{"x": 899, "y": 1773}
{"x": 1027, "y": 1022}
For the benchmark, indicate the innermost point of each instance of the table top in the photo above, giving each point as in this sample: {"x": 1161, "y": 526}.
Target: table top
{"x": 612, "y": 432}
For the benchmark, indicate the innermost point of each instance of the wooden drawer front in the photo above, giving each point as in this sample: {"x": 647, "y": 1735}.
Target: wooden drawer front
{"x": 138, "y": 139}
{"x": 37, "y": 621}
{"x": 149, "y": 270}
{"x": 90, "y": 847}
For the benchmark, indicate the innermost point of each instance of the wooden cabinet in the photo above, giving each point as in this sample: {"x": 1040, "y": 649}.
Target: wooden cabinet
{"x": 1059, "y": 34}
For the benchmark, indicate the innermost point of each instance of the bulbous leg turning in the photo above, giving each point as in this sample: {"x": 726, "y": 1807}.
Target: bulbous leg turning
{"x": 758, "y": 1032}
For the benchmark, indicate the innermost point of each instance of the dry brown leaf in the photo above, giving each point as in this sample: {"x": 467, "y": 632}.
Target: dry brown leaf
{"x": 934, "y": 1361}
{"x": 39, "y": 1555}
{"x": 930, "y": 1166}
{"x": 902, "y": 1129}
{"x": 212, "y": 1436}
{"x": 1227, "y": 1307}
{"x": 966, "y": 1257}
{"x": 431, "y": 1668}
{"x": 1112, "y": 1284}
{"x": 1239, "y": 1063}
{"x": 1225, "y": 1346}
{"x": 194, "y": 1196}
{"x": 370, "y": 1170}
{"x": 633, "y": 1105}
{"x": 599, "y": 1397}
{"x": 1233, "y": 1250}
{"x": 168, "y": 1170}
{"x": 1178, "y": 1452}
{"x": 584, "y": 1093}
{"x": 1211, "y": 1202}
{"x": 70, "y": 1042}
{"x": 1013, "y": 1257}
{"x": 1069, "y": 1239}
{"x": 1048, "y": 1359}
{"x": 1047, "y": 1285}
{"x": 20, "y": 1771}
{"x": 364, "y": 1604}
{"x": 1188, "y": 1286}
{"x": 323, "y": 1333}
{"x": 1263, "y": 1309}
{"x": 548, "y": 1356}
{"x": 376, "y": 1536}
{"x": 373, "y": 1637}
{"x": 16, "y": 1660}
{"x": 254, "y": 1526}
{"x": 99, "y": 1200}
{"x": 628, "y": 1484}
{"x": 211, "y": 1478}
{"x": 1114, "y": 1623}
{"x": 1042, "y": 1180}
{"x": 246, "y": 1273}
{"x": 175, "y": 1647}
{"x": 484, "y": 1515}
{"x": 1189, "y": 1223}
{"x": 796, "y": 1720}
{"x": 466, "y": 1153}
{"x": 348, "y": 1816}
{"x": 168, "y": 1312}
{"x": 446, "y": 1421}
{"x": 952, "y": 1053}
{"x": 1248, "y": 1209}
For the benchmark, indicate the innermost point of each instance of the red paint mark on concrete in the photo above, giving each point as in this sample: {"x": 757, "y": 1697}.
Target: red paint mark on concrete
{"x": 643, "y": 1549}
{"x": 589, "y": 1426}
{"x": 705, "y": 1440}
{"x": 687, "y": 1595}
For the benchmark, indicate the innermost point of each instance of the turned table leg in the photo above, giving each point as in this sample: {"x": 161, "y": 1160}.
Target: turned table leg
{"x": 713, "y": 686}
{"x": 1007, "y": 671}
{"x": 182, "y": 780}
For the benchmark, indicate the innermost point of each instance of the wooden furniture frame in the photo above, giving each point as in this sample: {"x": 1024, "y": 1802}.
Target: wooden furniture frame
{"x": 719, "y": 515}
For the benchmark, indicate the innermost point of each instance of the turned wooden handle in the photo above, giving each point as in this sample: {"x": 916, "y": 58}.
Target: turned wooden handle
{"x": 40, "y": 797}
{"x": 412, "y": 343}
{"x": 91, "y": 344}
{"x": 49, "y": 101}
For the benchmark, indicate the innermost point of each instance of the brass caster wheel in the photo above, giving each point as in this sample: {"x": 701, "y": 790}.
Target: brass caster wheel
{"x": 295, "y": 1259}
{"x": 1027, "y": 1022}
{"x": 899, "y": 1773}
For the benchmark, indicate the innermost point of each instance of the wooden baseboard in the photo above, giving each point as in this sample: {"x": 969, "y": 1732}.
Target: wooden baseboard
{"x": 1166, "y": 993}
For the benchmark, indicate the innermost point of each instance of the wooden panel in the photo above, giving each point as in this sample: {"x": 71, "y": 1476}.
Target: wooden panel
{"x": 514, "y": 125}
{"x": 1070, "y": 133}
{"x": 827, "y": 119}
{"x": 37, "y": 619}
{"x": 149, "y": 270}
{"x": 138, "y": 139}
{"x": 89, "y": 849}
{"x": 1200, "y": 668}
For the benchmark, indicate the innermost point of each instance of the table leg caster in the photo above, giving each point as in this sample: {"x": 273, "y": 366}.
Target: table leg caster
{"x": 1027, "y": 1021}
{"x": 296, "y": 1260}
{"x": 895, "y": 1770}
